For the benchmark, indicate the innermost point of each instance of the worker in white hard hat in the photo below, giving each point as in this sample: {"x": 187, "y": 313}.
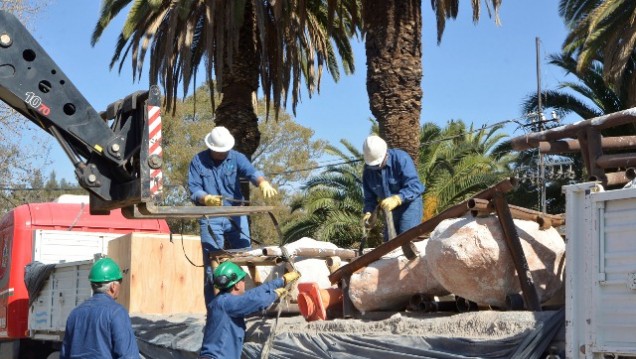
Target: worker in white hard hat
{"x": 214, "y": 180}
{"x": 390, "y": 179}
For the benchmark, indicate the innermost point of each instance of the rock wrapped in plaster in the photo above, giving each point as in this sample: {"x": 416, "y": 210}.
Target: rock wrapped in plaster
{"x": 312, "y": 270}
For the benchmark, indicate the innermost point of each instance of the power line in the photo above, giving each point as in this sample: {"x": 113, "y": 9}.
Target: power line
{"x": 39, "y": 189}
{"x": 340, "y": 163}
{"x": 484, "y": 127}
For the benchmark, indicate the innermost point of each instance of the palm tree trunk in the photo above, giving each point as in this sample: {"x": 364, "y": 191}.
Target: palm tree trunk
{"x": 393, "y": 31}
{"x": 236, "y": 110}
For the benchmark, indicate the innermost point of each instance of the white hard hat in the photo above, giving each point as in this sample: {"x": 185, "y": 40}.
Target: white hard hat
{"x": 219, "y": 139}
{"x": 374, "y": 149}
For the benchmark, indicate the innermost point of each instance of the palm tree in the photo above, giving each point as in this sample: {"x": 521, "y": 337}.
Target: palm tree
{"x": 330, "y": 208}
{"x": 240, "y": 41}
{"x": 393, "y": 41}
{"x": 604, "y": 30}
{"x": 458, "y": 161}
{"x": 597, "y": 97}
{"x": 591, "y": 96}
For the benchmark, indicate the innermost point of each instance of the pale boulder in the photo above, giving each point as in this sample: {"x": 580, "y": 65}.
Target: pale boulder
{"x": 470, "y": 258}
{"x": 390, "y": 282}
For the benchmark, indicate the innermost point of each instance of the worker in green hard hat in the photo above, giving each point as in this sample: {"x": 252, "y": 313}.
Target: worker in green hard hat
{"x": 225, "y": 323}
{"x": 100, "y": 327}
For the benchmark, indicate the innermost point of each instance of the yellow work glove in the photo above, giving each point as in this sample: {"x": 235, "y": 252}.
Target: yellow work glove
{"x": 213, "y": 200}
{"x": 267, "y": 189}
{"x": 281, "y": 292}
{"x": 365, "y": 219}
{"x": 291, "y": 276}
{"x": 388, "y": 204}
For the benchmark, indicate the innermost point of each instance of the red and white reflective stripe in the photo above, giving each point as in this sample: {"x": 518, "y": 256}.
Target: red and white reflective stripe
{"x": 154, "y": 147}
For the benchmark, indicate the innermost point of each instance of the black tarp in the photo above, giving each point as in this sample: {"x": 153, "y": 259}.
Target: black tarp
{"x": 182, "y": 340}
{"x": 35, "y": 276}
{"x": 528, "y": 345}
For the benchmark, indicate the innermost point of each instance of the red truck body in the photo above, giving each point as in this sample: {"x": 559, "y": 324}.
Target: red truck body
{"x": 17, "y": 247}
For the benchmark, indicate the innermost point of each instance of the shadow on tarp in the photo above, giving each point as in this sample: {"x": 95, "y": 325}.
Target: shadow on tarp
{"x": 158, "y": 339}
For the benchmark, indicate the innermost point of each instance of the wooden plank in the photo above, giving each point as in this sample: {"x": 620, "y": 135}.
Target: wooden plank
{"x": 158, "y": 278}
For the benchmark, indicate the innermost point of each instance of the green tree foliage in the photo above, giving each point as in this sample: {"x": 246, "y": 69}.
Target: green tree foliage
{"x": 19, "y": 161}
{"x": 286, "y": 150}
{"x": 603, "y": 31}
{"x": 330, "y": 208}
{"x": 393, "y": 44}
{"x": 37, "y": 189}
{"x": 455, "y": 162}
{"x": 458, "y": 161}
{"x": 594, "y": 97}
{"x": 588, "y": 97}
{"x": 243, "y": 44}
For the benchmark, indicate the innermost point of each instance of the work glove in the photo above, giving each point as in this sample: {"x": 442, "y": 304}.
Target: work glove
{"x": 389, "y": 204}
{"x": 291, "y": 276}
{"x": 365, "y": 220}
{"x": 213, "y": 200}
{"x": 281, "y": 292}
{"x": 267, "y": 189}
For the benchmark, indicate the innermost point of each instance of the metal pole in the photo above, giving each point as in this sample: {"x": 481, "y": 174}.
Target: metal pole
{"x": 540, "y": 121}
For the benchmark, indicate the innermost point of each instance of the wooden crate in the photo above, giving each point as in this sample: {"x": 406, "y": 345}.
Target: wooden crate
{"x": 158, "y": 278}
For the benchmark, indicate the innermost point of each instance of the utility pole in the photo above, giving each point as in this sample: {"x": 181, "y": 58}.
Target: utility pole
{"x": 540, "y": 121}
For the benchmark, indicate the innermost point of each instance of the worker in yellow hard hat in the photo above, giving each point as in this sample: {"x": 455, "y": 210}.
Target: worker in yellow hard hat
{"x": 214, "y": 180}
{"x": 100, "y": 327}
{"x": 225, "y": 323}
{"x": 390, "y": 179}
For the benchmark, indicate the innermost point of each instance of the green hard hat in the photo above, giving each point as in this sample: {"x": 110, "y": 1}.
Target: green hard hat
{"x": 105, "y": 270}
{"x": 227, "y": 274}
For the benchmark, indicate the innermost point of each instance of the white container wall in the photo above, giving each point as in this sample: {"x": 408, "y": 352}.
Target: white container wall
{"x": 65, "y": 289}
{"x": 601, "y": 272}
{"x": 54, "y": 246}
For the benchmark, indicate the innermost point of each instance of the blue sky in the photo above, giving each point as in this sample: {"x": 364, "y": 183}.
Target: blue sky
{"x": 479, "y": 73}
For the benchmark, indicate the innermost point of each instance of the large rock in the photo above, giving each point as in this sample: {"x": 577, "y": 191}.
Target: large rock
{"x": 470, "y": 258}
{"x": 390, "y": 282}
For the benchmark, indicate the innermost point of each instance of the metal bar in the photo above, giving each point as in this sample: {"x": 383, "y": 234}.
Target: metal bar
{"x": 531, "y": 140}
{"x": 149, "y": 210}
{"x": 348, "y": 309}
{"x": 595, "y": 152}
{"x": 422, "y": 228}
{"x": 613, "y": 179}
{"x": 617, "y": 160}
{"x": 255, "y": 261}
{"x": 313, "y": 252}
{"x": 390, "y": 225}
{"x": 482, "y": 206}
{"x": 585, "y": 153}
{"x": 572, "y": 146}
{"x": 528, "y": 289}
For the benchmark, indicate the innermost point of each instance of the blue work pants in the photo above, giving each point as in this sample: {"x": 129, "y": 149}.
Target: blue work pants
{"x": 214, "y": 233}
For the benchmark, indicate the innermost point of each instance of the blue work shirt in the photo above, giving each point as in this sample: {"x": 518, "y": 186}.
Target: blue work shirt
{"x": 397, "y": 177}
{"x": 223, "y": 178}
{"x": 225, "y": 324}
{"x": 206, "y": 176}
{"x": 99, "y": 328}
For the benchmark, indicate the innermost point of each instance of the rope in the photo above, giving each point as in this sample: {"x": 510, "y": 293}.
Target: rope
{"x": 270, "y": 339}
{"x": 183, "y": 248}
